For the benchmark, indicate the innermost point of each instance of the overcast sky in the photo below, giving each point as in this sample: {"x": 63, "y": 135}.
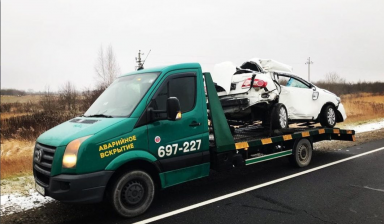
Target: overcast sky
{"x": 46, "y": 43}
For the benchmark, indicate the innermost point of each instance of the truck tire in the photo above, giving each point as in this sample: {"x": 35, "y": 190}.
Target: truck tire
{"x": 328, "y": 116}
{"x": 301, "y": 153}
{"x": 279, "y": 116}
{"x": 132, "y": 193}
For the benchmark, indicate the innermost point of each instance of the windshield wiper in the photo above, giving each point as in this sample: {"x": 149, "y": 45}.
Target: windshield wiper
{"x": 99, "y": 115}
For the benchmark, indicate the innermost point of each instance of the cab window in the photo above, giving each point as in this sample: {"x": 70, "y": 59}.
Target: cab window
{"x": 184, "y": 88}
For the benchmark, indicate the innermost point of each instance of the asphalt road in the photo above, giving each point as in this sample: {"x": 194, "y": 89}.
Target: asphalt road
{"x": 348, "y": 192}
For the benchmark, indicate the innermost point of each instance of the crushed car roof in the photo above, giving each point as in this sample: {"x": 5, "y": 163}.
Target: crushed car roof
{"x": 269, "y": 65}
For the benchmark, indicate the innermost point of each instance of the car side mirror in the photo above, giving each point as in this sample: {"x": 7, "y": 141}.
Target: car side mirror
{"x": 315, "y": 95}
{"x": 173, "y": 109}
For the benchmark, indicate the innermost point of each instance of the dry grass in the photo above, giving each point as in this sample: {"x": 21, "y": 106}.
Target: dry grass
{"x": 21, "y": 99}
{"x": 16, "y": 158}
{"x": 5, "y": 115}
{"x": 363, "y": 107}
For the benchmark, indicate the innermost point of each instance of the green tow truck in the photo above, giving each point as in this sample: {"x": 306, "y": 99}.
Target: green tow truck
{"x": 152, "y": 129}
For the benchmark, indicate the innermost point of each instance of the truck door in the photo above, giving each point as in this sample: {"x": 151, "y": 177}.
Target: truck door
{"x": 181, "y": 143}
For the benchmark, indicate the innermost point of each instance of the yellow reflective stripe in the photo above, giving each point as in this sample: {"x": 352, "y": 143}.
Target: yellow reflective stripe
{"x": 305, "y": 134}
{"x": 241, "y": 145}
{"x": 287, "y": 137}
{"x": 265, "y": 141}
{"x": 336, "y": 131}
{"x": 321, "y": 131}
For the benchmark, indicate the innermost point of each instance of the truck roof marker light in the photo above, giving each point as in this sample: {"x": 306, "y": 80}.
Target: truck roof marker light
{"x": 178, "y": 116}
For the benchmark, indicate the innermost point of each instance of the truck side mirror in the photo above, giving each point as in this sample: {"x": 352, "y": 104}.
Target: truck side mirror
{"x": 173, "y": 109}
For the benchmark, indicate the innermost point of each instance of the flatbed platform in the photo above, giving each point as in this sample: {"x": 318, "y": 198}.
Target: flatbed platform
{"x": 256, "y": 135}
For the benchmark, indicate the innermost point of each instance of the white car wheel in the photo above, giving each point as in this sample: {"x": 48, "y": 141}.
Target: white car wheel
{"x": 328, "y": 117}
{"x": 283, "y": 117}
{"x": 279, "y": 117}
{"x": 331, "y": 117}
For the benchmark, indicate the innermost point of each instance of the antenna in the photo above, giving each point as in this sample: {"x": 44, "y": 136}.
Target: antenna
{"x": 138, "y": 61}
{"x": 140, "y": 64}
{"x": 146, "y": 58}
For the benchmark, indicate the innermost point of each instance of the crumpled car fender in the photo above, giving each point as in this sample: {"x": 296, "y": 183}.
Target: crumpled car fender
{"x": 222, "y": 74}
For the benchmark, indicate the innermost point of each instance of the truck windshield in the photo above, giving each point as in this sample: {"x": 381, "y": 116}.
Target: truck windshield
{"x": 122, "y": 96}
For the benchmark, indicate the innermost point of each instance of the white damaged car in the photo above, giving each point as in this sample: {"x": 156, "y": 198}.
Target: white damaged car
{"x": 268, "y": 91}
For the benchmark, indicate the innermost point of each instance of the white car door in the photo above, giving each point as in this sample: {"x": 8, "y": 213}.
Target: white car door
{"x": 297, "y": 97}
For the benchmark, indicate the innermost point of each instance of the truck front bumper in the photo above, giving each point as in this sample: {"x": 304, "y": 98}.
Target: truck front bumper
{"x": 81, "y": 188}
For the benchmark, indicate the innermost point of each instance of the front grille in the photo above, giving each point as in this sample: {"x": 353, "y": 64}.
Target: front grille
{"x": 42, "y": 163}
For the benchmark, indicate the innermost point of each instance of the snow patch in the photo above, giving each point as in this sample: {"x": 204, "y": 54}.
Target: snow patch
{"x": 367, "y": 127}
{"x": 13, "y": 203}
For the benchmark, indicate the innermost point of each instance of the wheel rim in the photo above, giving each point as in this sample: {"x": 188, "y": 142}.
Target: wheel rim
{"x": 331, "y": 116}
{"x": 282, "y": 117}
{"x": 133, "y": 193}
{"x": 303, "y": 153}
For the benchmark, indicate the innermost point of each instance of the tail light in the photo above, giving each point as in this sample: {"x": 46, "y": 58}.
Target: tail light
{"x": 256, "y": 83}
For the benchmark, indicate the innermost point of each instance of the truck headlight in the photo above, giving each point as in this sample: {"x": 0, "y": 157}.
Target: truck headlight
{"x": 70, "y": 154}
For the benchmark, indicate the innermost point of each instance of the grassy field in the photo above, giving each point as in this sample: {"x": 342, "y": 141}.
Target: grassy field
{"x": 363, "y": 107}
{"x": 16, "y": 155}
{"x": 16, "y": 158}
{"x": 21, "y": 99}
{"x": 6, "y": 115}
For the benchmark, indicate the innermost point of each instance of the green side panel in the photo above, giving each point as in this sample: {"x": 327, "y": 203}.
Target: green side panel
{"x": 268, "y": 157}
{"x": 128, "y": 156}
{"x": 223, "y": 137}
{"x": 179, "y": 176}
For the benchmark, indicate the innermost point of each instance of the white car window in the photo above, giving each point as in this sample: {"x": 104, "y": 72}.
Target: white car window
{"x": 283, "y": 80}
{"x": 296, "y": 83}
{"x": 291, "y": 82}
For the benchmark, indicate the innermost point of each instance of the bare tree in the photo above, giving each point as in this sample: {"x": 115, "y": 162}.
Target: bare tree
{"x": 48, "y": 100}
{"x": 333, "y": 77}
{"x": 88, "y": 96}
{"x": 68, "y": 96}
{"x": 106, "y": 68}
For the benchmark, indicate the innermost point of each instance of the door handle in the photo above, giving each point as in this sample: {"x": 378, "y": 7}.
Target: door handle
{"x": 194, "y": 124}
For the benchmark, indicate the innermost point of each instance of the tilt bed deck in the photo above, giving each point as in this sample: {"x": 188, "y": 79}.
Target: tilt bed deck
{"x": 256, "y": 144}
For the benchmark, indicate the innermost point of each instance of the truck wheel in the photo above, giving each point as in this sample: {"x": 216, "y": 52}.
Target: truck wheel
{"x": 132, "y": 193}
{"x": 301, "y": 153}
{"x": 279, "y": 117}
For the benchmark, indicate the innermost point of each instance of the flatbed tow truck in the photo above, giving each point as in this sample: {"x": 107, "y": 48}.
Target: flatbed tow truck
{"x": 169, "y": 132}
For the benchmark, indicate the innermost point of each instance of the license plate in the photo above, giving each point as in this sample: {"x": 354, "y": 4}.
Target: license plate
{"x": 40, "y": 189}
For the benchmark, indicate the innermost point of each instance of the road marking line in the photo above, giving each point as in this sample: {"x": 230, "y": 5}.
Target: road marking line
{"x": 369, "y": 188}
{"x": 181, "y": 210}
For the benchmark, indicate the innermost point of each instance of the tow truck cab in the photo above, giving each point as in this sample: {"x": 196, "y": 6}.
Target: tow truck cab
{"x": 128, "y": 127}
